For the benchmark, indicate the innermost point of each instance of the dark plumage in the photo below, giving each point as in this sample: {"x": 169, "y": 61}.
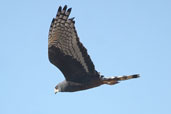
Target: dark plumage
{"x": 68, "y": 54}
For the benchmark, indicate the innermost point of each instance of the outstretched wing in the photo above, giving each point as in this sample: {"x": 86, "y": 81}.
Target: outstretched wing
{"x": 66, "y": 51}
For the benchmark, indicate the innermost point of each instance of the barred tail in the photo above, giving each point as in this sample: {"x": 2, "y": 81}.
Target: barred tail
{"x": 121, "y": 78}
{"x": 115, "y": 79}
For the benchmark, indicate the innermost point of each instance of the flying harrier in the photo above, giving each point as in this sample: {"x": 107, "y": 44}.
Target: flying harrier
{"x": 68, "y": 54}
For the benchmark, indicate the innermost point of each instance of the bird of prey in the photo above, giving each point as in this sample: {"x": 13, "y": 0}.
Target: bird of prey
{"x": 67, "y": 53}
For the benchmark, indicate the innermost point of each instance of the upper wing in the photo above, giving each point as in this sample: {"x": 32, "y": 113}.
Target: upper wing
{"x": 66, "y": 51}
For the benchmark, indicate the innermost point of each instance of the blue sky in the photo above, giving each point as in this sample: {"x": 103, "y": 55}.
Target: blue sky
{"x": 122, "y": 37}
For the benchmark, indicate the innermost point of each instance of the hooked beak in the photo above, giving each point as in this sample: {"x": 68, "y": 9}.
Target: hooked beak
{"x": 56, "y": 90}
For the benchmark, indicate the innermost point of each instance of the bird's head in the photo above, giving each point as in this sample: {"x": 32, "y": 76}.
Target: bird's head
{"x": 57, "y": 89}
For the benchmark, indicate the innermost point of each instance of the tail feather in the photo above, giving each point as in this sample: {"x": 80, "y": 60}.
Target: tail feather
{"x": 121, "y": 78}
{"x": 115, "y": 79}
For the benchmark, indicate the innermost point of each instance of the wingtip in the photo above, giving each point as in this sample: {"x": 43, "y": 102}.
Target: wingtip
{"x": 136, "y": 75}
{"x": 72, "y": 18}
{"x": 69, "y": 10}
{"x": 60, "y": 9}
{"x": 65, "y": 7}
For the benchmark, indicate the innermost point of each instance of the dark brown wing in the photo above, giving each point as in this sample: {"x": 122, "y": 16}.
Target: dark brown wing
{"x": 66, "y": 51}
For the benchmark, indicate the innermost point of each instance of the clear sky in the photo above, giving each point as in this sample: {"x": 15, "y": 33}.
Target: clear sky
{"x": 122, "y": 37}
